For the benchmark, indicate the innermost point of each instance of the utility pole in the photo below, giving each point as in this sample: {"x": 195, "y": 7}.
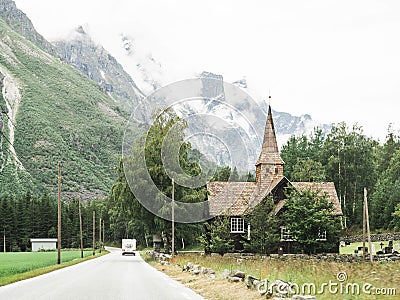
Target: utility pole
{"x": 59, "y": 216}
{"x": 364, "y": 228}
{"x": 367, "y": 221}
{"x": 100, "y": 235}
{"x": 103, "y": 234}
{"x": 94, "y": 232}
{"x": 4, "y": 240}
{"x": 80, "y": 227}
{"x": 173, "y": 217}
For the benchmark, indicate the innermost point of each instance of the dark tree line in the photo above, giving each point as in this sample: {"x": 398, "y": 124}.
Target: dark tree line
{"x": 345, "y": 156}
{"x": 352, "y": 161}
{"x": 27, "y": 216}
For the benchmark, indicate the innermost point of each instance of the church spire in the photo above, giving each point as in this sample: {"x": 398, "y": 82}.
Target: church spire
{"x": 269, "y": 164}
{"x": 269, "y": 151}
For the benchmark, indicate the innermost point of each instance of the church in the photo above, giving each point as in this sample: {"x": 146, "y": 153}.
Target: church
{"x": 235, "y": 199}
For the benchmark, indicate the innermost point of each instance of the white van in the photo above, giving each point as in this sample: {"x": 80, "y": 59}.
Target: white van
{"x": 128, "y": 246}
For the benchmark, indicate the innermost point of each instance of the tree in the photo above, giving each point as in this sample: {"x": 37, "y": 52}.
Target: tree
{"x": 263, "y": 228}
{"x": 127, "y": 214}
{"x": 222, "y": 174}
{"x": 302, "y": 149}
{"x": 295, "y": 148}
{"x": 308, "y": 170}
{"x": 308, "y": 215}
{"x": 217, "y": 237}
{"x": 350, "y": 162}
{"x": 396, "y": 217}
{"x": 386, "y": 196}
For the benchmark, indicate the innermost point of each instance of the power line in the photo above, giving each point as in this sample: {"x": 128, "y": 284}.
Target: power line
{"x": 5, "y": 111}
{"x": 7, "y": 140}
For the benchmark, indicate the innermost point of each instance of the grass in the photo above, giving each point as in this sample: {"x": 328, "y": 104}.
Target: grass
{"x": 301, "y": 272}
{"x": 16, "y": 266}
{"x": 349, "y": 249}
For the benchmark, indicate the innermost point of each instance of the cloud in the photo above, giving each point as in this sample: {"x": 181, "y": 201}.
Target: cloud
{"x": 336, "y": 60}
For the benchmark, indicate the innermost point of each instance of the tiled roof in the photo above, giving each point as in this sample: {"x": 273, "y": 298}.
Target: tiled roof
{"x": 322, "y": 187}
{"x": 229, "y": 198}
{"x": 269, "y": 151}
{"x": 235, "y": 198}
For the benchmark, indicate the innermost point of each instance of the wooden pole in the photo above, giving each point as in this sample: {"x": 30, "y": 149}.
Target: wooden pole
{"x": 4, "y": 240}
{"x": 80, "y": 226}
{"x": 100, "y": 235}
{"x": 94, "y": 232}
{"x": 59, "y": 216}
{"x": 173, "y": 217}
{"x": 368, "y": 232}
{"x": 364, "y": 226}
{"x": 103, "y": 234}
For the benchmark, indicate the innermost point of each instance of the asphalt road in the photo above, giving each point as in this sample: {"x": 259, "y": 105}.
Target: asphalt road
{"x": 111, "y": 276}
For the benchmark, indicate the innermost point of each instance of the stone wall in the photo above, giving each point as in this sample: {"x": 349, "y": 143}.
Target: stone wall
{"x": 374, "y": 237}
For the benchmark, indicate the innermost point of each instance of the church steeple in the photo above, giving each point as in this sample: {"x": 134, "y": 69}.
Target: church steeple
{"x": 269, "y": 164}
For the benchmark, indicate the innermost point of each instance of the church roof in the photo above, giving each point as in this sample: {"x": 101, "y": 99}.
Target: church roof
{"x": 236, "y": 198}
{"x": 229, "y": 198}
{"x": 269, "y": 151}
{"x": 322, "y": 188}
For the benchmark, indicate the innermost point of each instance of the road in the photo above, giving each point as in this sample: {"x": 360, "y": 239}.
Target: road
{"x": 110, "y": 277}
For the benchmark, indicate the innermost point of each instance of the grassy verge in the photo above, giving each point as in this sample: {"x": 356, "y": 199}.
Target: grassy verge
{"x": 383, "y": 277}
{"x": 349, "y": 249}
{"x": 16, "y": 266}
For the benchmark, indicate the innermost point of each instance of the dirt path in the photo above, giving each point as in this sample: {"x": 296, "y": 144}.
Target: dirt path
{"x": 218, "y": 289}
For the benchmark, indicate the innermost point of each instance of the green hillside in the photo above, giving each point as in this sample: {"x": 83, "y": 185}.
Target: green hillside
{"x": 60, "y": 116}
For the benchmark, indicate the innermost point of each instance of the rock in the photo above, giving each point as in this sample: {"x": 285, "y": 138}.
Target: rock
{"x": 251, "y": 281}
{"x": 239, "y": 274}
{"x": 195, "y": 271}
{"x": 304, "y": 297}
{"x": 234, "y": 279}
{"x": 394, "y": 257}
{"x": 196, "y": 267}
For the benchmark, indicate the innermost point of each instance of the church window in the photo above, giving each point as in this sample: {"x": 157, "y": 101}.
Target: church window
{"x": 237, "y": 225}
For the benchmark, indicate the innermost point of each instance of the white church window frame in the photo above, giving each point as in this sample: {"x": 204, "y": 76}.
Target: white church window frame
{"x": 237, "y": 225}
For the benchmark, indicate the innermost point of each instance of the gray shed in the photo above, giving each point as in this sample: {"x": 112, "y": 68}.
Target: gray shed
{"x": 43, "y": 244}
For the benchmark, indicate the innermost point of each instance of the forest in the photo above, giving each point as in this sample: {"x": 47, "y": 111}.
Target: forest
{"x": 345, "y": 156}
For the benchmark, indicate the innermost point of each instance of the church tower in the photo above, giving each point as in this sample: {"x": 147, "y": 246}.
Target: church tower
{"x": 269, "y": 165}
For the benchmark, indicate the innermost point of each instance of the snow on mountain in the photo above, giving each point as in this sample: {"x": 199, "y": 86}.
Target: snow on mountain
{"x": 221, "y": 122}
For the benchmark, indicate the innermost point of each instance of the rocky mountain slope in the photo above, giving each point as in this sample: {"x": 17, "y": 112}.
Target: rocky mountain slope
{"x": 81, "y": 52}
{"x": 20, "y": 23}
{"x": 52, "y": 113}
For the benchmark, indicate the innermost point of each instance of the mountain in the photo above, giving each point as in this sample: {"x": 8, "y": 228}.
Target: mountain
{"x": 234, "y": 123}
{"x": 69, "y": 102}
{"x": 148, "y": 73}
{"x": 81, "y": 52}
{"x": 21, "y": 24}
{"x": 52, "y": 113}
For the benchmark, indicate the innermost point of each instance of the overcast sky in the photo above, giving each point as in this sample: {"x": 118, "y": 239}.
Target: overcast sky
{"x": 337, "y": 60}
